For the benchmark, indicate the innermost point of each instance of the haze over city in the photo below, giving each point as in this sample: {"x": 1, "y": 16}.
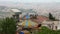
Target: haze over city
{"x": 42, "y": 7}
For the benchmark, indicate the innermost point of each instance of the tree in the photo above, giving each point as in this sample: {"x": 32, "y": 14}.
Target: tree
{"x": 0, "y": 26}
{"x": 51, "y": 17}
{"x": 34, "y": 16}
{"x": 8, "y": 26}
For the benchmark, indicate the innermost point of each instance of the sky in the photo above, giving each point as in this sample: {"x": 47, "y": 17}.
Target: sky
{"x": 17, "y": 2}
{"x": 28, "y": 1}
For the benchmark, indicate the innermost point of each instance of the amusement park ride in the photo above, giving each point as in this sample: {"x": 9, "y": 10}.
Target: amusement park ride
{"x": 27, "y": 24}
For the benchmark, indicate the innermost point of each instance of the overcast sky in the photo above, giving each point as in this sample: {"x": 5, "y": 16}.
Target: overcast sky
{"x": 29, "y": 1}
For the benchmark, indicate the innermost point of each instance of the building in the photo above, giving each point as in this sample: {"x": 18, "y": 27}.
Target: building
{"x": 17, "y": 14}
{"x": 54, "y": 25}
{"x": 40, "y": 19}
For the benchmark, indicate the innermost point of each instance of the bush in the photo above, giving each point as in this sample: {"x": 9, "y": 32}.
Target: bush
{"x": 8, "y": 26}
{"x": 45, "y": 30}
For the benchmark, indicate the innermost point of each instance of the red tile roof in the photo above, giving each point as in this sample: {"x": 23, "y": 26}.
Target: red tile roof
{"x": 40, "y": 19}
